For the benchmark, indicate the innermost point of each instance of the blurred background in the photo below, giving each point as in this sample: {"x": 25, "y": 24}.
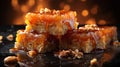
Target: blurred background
{"x": 102, "y": 12}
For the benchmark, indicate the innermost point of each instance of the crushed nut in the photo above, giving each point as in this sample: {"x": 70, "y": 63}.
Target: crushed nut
{"x": 10, "y": 37}
{"x": 116, "y": 43}
{"x": 13, "y": 50}
{"x": 10, "y": 61}
{"x": 93, "y": 61}
{"x": 69, "y": 54}
{"x": 32, "y": 53}
{"x": 77, "y": 54}
{"x": 1, "y": 37}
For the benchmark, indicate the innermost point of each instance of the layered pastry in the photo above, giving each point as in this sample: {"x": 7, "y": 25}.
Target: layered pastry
{"x": 40, "y": 43}
{"x": 55, "y": 22}
{"x": 88, "y": 38}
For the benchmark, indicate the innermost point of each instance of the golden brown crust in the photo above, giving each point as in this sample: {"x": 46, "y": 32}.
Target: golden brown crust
{"x": 39, "y": 42}
{"x": 88, "y": 40}
{"x": 54, "y": 22}
{"x": 82, "y": 39}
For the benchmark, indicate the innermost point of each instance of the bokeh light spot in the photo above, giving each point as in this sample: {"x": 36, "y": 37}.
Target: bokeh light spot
{"x": 85, "y": 13}
{"x": 91, "y": 21}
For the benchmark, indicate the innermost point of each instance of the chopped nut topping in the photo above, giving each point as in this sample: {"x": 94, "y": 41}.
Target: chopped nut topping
{"x": 32, "y": 53}
{"x": 1, "y": 37}
{"x": 91, "y": 27}
{"x": 116, "y": 43}
{"x": 45, "y": 10}
{"x": 69, "y": 54}
{"x": 93, "y": 61}
{"x": 10, "y": 37}
{"x": 10, "y": 61}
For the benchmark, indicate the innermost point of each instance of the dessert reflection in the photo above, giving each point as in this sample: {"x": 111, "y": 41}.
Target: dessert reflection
{"x": 48, "y": 59}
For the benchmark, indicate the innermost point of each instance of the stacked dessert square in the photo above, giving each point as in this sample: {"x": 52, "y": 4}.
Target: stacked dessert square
{"x": 89, "y": 38}
{"x": 52, "y": 30}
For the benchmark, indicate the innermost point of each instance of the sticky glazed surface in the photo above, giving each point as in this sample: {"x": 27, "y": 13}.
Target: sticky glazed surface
{"x": 87, "y": 40}
{"x": 55, "y": 22}
{"x": 84, "y": 39}
{"x": 39, "y": 42}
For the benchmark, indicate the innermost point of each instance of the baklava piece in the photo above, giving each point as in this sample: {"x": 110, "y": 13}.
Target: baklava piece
{"x": 41, "y": 43}
{"x": 55, "y": 22}
{"x": 88, "y": 38}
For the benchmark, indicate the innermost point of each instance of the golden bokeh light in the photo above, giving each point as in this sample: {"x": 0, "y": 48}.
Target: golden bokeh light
{"x": 67, "y": 7}
{"x": 85, "y": 13}
{"x": 102, "y": 22}
{"x": 31, "y": 3}
{"x": 24, "y": 8}
{"x": 14, "y": 4}
{"x": 34, "y": 5}
{"x": 91, "y": 21}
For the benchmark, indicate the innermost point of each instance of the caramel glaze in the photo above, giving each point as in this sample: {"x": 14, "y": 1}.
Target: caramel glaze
{"x": 54, "y": 22}
{"x": 50, "y": 17}
{"x": 46, "y": 39}
{"x": 76, "y": 39}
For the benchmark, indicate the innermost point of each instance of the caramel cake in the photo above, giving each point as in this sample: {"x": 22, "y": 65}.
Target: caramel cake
{"x": 55, "y": 22}
{"x": 88, "y": 38}
{"x": 41, "y": 43}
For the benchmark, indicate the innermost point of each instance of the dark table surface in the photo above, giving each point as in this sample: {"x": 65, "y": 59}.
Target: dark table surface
{"x": 107, "y": 58}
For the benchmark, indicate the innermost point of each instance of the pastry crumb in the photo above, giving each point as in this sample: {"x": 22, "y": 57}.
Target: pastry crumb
{"x": 32, "y": 53}
{"x": 76, "y": 54}
{"x": 116, "y": 43}
{"x": 1, "y": 37}
{"x": 93, "y": 61}
{"x": 10, "y": 61}
{"x": 10, "y": 37}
